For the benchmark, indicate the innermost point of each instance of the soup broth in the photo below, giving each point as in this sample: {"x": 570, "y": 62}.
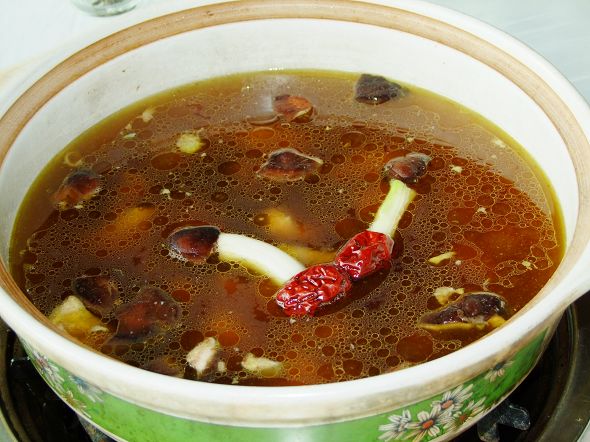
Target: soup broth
{"x": 483, "y": 220}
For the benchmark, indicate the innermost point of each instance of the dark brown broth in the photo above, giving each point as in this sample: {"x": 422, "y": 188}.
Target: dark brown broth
{"x": 479, "y": 198}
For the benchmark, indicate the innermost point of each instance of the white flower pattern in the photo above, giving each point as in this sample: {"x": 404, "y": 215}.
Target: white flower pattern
{"x": 460, "y": 417}
{"x": 75, "y": 403}
{"x": 454, "y": 399}
{"x": 397, "y": 426}
{"x": 50, "y": 371}
{"x": 53, "y": 374}
{"x": 428, "y": 423}
{"x": 498, "y": 370}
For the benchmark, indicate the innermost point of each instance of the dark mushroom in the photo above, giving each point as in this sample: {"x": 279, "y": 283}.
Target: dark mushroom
{"x": 472, "y": 310}
{"x": 408, "y": 168}
{"x": 98, "y": 293}
{"x": 373, "y": 89}
{"x": 193, "y": 244}
{"x": 78, "y": 186}
{"x": 293, "y": 108}
{"x": 289, "y": 165}
{"x": 151, "y": 311}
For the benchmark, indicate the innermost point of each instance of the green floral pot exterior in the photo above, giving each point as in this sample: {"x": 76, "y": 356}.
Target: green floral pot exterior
{"x": 451, "y": 55}
{"x": 439, "y": 417}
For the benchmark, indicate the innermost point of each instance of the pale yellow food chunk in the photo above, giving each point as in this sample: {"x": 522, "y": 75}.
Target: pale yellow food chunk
{"x": 261, "y": 366}
{"x": 282, "y": 225}
{"x": 201, "y": 357}
{"x": 148, "y": 114}
{"x": 189, "y": 142}
{"x": 452, "y": 326}
{"x": 73, "y": 317}
{"x": 496, "y": 321}
{"x": 133, "y": 217}
{"x": 436, "y": 260}
{"x": 442, "y": 294}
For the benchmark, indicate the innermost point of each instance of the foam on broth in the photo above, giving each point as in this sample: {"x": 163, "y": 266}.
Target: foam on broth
{"x": 481, "y": 198}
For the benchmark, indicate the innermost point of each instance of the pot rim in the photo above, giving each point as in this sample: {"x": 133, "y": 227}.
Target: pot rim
{"x": 566, "y": 109}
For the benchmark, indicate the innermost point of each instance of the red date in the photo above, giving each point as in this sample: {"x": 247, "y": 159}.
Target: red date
{"x": 365, "y": 253}
{"x": 315, "y": 286}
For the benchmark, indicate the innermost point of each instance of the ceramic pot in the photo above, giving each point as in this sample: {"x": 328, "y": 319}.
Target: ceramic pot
{"x": 414, "y": 42}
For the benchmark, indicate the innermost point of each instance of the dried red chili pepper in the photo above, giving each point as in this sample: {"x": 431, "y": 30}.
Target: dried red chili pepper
{"x": 309, "y": 289}
{"x": 365, "y": 253}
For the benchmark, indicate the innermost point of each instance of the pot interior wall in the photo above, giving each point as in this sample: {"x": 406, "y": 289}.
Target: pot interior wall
{"x": 282, "y": 44}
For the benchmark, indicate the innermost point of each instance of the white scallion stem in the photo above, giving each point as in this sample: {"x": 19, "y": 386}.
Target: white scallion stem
{"x": 259, "y": 256}
{"x": 393, "y": 207}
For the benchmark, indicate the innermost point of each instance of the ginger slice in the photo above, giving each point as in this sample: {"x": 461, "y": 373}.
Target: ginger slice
{"x": 72, "y": 317}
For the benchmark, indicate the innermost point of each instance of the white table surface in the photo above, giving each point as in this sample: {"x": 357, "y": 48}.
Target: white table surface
{"x": 32, "y": 30}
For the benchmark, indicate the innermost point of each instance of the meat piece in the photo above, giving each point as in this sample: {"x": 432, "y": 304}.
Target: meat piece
{"x": 472, "y": 310}
{"x": 293, "y": 108}
{"x": 98, "y": 293}
{"x": 408, "y": 168}
{"x": 289, "y": 165}
{"x": 373, "y": 89}
{"x": 78, "y": 186}
{"x": 193, "y": 244}
{"x": 365, "y": 253}
{"x": 146, "y": 315}
{"x": 311, "y": 288}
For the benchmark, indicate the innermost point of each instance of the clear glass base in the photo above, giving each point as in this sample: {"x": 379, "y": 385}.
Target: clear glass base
{"x": 105, "y": 7}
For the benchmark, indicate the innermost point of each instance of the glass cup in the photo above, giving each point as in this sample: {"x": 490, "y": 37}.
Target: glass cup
{"x": 105, "y": 7}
